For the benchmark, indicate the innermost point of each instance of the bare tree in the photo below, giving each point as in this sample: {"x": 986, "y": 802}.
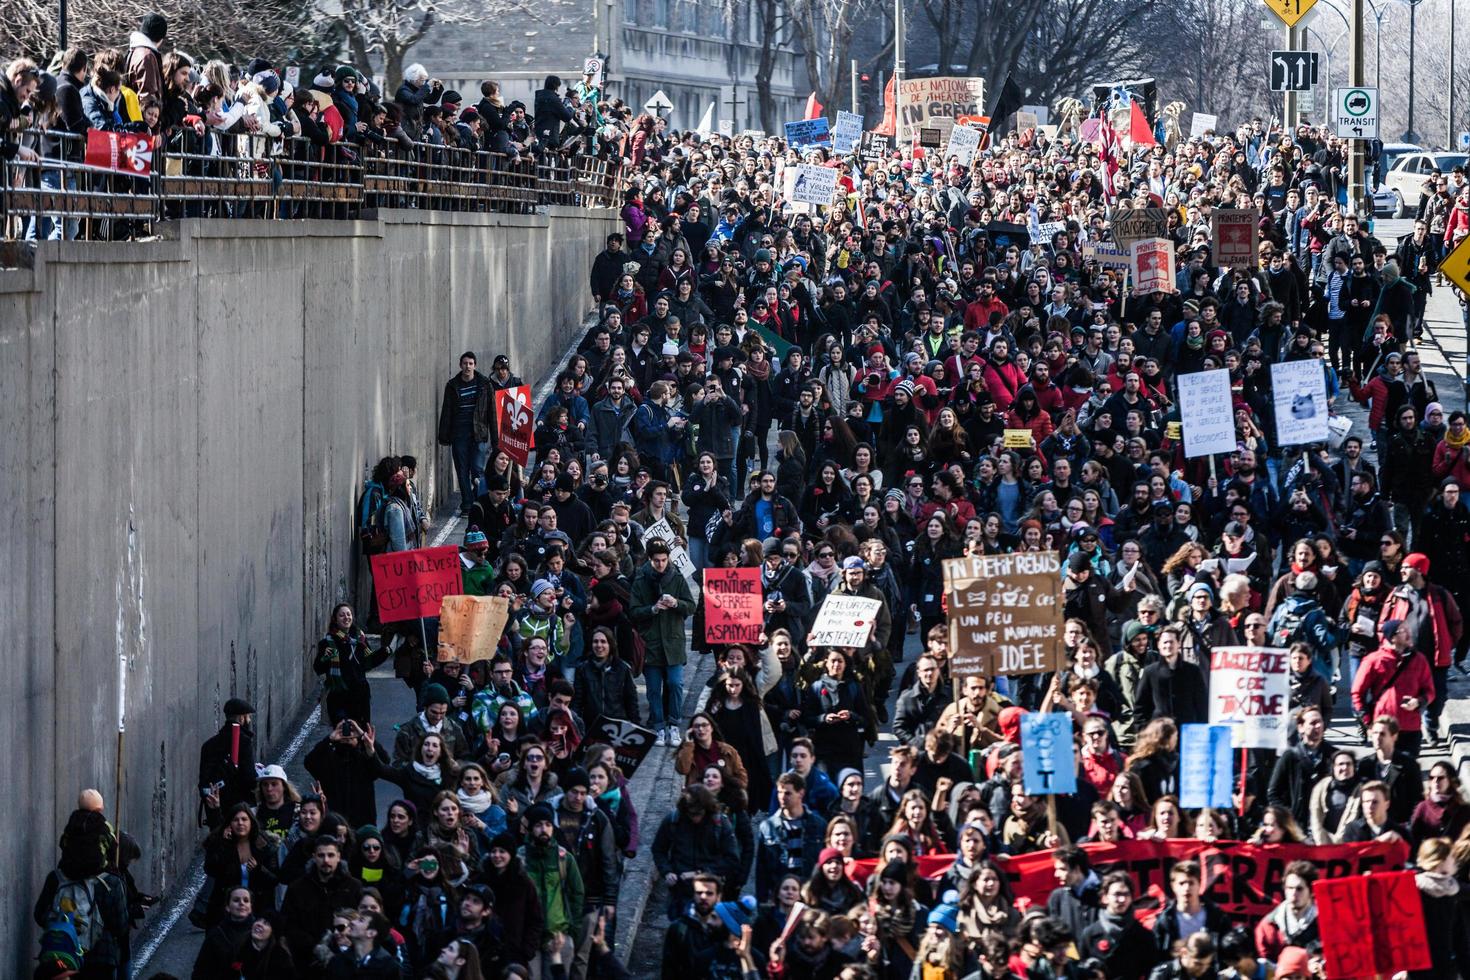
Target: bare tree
{"x": 825, "y": 29}
{"x": 773, "y": 30}
{"x": 1215, "y": 59}
{"x": 384, "y": 30}
{"x": 281, "y": 31}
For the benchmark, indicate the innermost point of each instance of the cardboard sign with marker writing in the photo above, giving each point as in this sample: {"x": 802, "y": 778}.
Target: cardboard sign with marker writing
{"x": 1005, "y": 614}
{"x": 1017, "y": 439}
{"x": 845, "y": 621}
{"x": 1139, "y": 223}
{"x": 470, "y": 627}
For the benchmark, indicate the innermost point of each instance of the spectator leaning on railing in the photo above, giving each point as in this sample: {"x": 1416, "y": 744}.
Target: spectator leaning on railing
{"x": 21, "y": 80}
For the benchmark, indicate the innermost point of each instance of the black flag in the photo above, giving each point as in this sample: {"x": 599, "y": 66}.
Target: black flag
{"x": 1006, "y": 105}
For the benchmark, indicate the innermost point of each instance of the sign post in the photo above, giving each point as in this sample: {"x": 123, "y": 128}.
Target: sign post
{"x": 470, "y": 627}
{"x": 1355, "y": 112}
{"x": 1250, "y": 690}
{"x": 1371, "y": 925}
{"x": 1153, "y": 266}
{"x": 1293, "y": 71}
{"x": 1206, "y": 767}
{"x": 1291, "y": 12}
{"x": 412, "y": 584}
{"x": 1236, "y": 241}
{"x": 515, "y": 422}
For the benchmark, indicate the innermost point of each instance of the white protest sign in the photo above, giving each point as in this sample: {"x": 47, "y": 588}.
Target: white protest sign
{"x": 1299, "y": 394}
{"x": 848, "y": 132}
{"x": 1205, "y": 413}
{"x": 1250, "y": 690}
{"x": 1047, "y": 229}
{"x": 812, "y": 184}
{"x": 845, "y": 621}
{"x": 1201, "y": 123}
{"x": 662, "y": 530}
{"x": 964, "y": 143}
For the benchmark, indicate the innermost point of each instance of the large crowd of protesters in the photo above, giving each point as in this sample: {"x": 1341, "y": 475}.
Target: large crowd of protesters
{"x": 823, "y": 394}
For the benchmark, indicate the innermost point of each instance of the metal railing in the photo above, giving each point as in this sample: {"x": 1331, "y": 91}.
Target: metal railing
{"x": 254, "y": 176}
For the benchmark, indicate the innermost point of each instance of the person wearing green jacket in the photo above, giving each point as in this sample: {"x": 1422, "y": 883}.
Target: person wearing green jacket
{"x": 660, "y": 604}
{"x": 479, "y": 573}
{"x": 558, "y": 883}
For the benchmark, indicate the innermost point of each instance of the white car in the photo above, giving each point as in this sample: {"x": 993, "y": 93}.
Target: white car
{"x": 1384, "y": 202}
{"x": 1405, "y": 180}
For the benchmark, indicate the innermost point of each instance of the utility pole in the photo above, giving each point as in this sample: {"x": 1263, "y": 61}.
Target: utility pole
{"x": 854, "y": 85}
{"x": 1449, "y": 112}
{"x": 1355, "y": 147}
{"x": 1409, "y": 135}
{"x": 1288, "y": 110}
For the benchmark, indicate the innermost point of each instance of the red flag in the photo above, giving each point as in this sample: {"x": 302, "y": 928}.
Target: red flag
{"x": 813, "y": 107}
{"x": 131, "y": 153}
{"x": 889, "y": 124}
{"x": 515, "y": 423}
{"x": 1139, "y": 131}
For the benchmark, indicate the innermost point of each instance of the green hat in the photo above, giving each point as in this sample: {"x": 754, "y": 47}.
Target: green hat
{"x": 343, "y": 73}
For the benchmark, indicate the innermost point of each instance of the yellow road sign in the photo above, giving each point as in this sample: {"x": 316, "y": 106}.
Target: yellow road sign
{"x": 1456, "y": 265}
{"x": 1290, "y": 11}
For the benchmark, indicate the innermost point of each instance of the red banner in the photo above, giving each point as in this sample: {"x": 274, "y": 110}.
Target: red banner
{"x": 412, "y": 584}
{"x": 515, "y": 423}
{"x": 732, "y": 605}
{"x": 1243, "y": 879}
{"x": 131, "y": 153}
{"x": 1371, "y": 926}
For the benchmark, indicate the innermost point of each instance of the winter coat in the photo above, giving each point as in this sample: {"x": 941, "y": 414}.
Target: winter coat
{"x": 662, "y": 629}
{"x": 1295, "y": 774}
{"x": 145, "y": 67}
{"x": 770, "y": 850}
{"x": 449, "y": 408}
{"x": 1378, "y": 693}
{"x": 308, "y": 906}
{"x": 605, "y": 690}
{"x": 517, "y": 906}
{"x": 1124, "y": 946}
{"x": 681, "y": 845}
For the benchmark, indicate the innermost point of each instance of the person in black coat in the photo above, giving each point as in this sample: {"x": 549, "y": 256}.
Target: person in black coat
{"x": 836, "y": 711}
{"x": 223, "y": 942}
{"x": 1088, "y": 596}
{"x": 607, "y": 268}
{"x": 604, "y": 683}
{"x": 236, "y": 854}
{"x": 227, "y": 776}
{"x": 1117, "y": 938}
{"x": 696, "y": 836}
{"x": 521, "y": 914}
{"x": 1300, "y": 767}
{"x": 311, "y": 899}
{"x": 1172, "y": 687}
{"x": 1077, "y": 901}
{"x": 551, "y": 112}
{"x": 345, "y": 773}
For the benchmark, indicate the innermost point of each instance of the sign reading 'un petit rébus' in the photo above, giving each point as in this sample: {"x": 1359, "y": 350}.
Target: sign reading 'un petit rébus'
{"x": 1005, "y": 613}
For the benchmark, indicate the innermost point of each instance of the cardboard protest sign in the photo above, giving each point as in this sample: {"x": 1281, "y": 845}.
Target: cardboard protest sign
{"x": 1201, "y": 123}
{"x": 848, "y": 132}
{"x": 1206, "y": 766}
{"x": 1048, "y": 754}
{"x": 1139, "y": 223}
{"x": 732, "y": 605}
{"x": 1371, "y": 926}
{"x": 807, "y": 134}
{"x": 1017, "y": 438}
{"x": 1206, "y": 413}
{"x": 845, "y": 621}
{"x": 1005, "y": 614}
{"x": 412, "y": 584}
{"x": 630, "y": 742}
{"x": 1299, "y": 394}
{"x": 1236, "y": 240}
{"x": 1153, "y": 265}
{"x": 935, "y": 102}
{"x": 129, "y": 153}
{"x": 964, "y": 143}
{"x": 515, "y": 423}
{"x": 1250, "y": 690}
{"x": 812, "y": 184}
{"x": 1242, "y": 879}
{"x": 470, "y": 627}
{"x": 1108, "y": 257}
{"x": 662, "y": 530}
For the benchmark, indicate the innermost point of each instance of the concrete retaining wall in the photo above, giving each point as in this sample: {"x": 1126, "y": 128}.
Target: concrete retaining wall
{"x": 186, "y": 426}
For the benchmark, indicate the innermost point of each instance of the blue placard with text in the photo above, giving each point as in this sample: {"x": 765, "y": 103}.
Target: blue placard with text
{"x": 1048, "y": 757}
{"x": 805, "y": 134}
{"x": 1206, "y": 766}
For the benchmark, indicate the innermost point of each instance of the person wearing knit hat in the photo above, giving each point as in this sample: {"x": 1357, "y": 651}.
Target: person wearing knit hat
{"x": 433, "y": 718}
{"x": 479, "y": 575}
{"x": 946, "y": 915}
{"x": 1294, "y": 963}
{"x": 734, "y": 915}
{"x": 905, "y": 388}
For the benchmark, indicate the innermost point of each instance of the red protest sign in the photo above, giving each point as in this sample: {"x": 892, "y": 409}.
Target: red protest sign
{"x": 412, "y": 584}
{"x": 1243, "y": 879}
{"x": 732, "y": 605}
{"x": 515, "y": 423}
{"x": 131, "y": 153}
{"x": 1371, "y": 925}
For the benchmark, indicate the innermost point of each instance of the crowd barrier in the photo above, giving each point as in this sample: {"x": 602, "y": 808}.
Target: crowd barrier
{"x": 226, "y": 175}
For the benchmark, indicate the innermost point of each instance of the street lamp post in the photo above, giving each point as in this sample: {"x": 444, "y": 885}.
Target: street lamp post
{"x": 1409, "y": 135}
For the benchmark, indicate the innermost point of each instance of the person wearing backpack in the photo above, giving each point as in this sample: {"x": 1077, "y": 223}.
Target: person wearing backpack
{"x": 372, "y": 531}
{"x": 1300, "y": 619}
{"x": 464, "y": 425}
{"x": 83, "y": 923}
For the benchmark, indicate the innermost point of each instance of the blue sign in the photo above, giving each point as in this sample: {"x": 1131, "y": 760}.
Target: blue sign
{"x": 1206, "y": 766}
{"x": 806, "y": 134}
{"x": 1048, "y": 756}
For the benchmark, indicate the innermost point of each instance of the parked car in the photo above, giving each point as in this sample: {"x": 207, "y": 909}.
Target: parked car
{"x": 1384, "y": 201}
{"x": 1405, "y": 180}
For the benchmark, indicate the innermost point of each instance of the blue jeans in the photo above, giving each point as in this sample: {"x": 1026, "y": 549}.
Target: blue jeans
{"x": 466, "y": 454}
{"x": 665, "y": 695}
{"x": 46, "y": 227}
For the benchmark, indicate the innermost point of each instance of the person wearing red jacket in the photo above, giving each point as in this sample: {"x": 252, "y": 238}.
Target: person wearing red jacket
{"x": 1048, "y": 395}
{"x": 1374, "y": 394}
{"x": 1395, "y": 682}
{"x": 1452, "y": 455}
{"x": 1458, "y": 222}
{"x": 977, "y": 313}
{"x": 1432, "y": 617}
{"x": 1003, "y": 379}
